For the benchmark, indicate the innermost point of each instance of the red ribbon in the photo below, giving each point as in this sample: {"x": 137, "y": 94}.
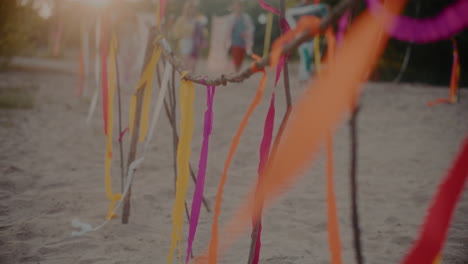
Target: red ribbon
{"x": 437, "y": 222}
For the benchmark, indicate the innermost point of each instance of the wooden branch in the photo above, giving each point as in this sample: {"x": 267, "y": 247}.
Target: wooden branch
{"x": 354, "y": 188}
{"x": 136, "y": 127}
{"x": 327, "y": 21}
{"x": 133, "y": 149}
{"x": 119, "y": 101}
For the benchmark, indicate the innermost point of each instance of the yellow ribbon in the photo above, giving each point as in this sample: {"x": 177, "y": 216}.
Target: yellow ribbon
{"x": 113, "y": 198}
{"x": 437, "y": 260}
{"x": 317, "y": 53}
{"x": 269, "y": 26}
{"x": 146, "y": 80}
{"x": 187, "y": 96}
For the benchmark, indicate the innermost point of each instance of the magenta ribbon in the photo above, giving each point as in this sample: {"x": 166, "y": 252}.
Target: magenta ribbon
{"x": 450, "y": 21}
{"x": 437, "y": 222}
{"x": 122, "y": 134}
{"x": 264, "y": 153}
{"x": 284, "y": 28}
{"x": 342, "y": 26}
{"x": 200, "y": 184}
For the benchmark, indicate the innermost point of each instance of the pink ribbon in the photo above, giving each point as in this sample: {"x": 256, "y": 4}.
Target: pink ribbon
{"x": 264, "y": 153}
{"x": 342, "y": 26}
{"x": 200, "y": 184}
{"x": 122, "y": 134}
{"x": 437, "y": 222}
{"x": 284, "y": 28}
{"x": 450, "y": 21}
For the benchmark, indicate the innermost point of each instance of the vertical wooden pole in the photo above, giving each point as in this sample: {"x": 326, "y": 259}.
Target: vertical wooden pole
{"x": 133, "y": 150}
{"x": 354, "y": 188}
{"x": 136, "y": 126}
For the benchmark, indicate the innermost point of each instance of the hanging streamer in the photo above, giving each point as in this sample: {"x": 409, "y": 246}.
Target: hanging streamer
{"x": 97, "y": 75}
{"x": 333, "y": 228}
{"x": 104, "y": 72}
{"x": 199, "y": 186}
{"x": 86, "y": 63}
{"x": 317, "y": 54}
{"x": 437, "y": 222}
{"x": 284, "y": 28}
{"x": 454, "y": 79}
{"x": 316, "y": 113}
{"x": 447, "y": 23}
{"x": 113, "y": 198}
{"x": 213, "y": 248}
{"x": 269, "y": 27}
{"x": 187, "y": 96}
{"x": 58, "y": 37}
{"x": 147, "y": 97}
{"x": 146, "y": 80}
{"x": 264, "y": 153}
{"x": 455, "y": 73}
{"x": 342, "y": 26}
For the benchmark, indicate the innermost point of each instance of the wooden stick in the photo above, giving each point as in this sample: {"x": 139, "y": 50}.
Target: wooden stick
{"x": 120, "y": 122}
{"x": 132, "y": 152}
{"x": 354, "y": 188}
{"x": 136, "y": 126}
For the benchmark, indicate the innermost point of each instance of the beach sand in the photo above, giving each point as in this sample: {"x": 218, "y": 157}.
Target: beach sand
{"x": 52, "y": 167}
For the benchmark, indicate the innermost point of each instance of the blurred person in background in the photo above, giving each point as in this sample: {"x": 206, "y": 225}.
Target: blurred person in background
{"x": 241, "y": 34}
{"x": 306, "y": 49}
{"x": 190, "y": 33}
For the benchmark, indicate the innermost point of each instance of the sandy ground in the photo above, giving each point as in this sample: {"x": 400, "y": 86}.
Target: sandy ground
{"x": 52, "y": 171}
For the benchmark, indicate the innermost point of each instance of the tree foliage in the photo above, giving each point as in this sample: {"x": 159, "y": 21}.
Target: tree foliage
{"x": 17, "y": 28}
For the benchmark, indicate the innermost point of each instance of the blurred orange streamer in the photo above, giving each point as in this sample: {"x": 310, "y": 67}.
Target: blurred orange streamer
{"x": 320, "y": 110}
{"x": 454, "y": 79}
{"x": 213, "y": 247}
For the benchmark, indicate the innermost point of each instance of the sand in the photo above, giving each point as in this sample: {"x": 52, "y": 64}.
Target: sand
{"x": 52, "y": 167}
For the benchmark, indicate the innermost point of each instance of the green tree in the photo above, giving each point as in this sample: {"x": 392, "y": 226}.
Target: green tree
{"x": 17, "y": 28}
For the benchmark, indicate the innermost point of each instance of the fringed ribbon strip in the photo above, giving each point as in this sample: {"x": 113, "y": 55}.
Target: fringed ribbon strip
{"x": 187, "y": 96}
{"x": 342, "y": 26}
{"x": 333, "y": 228}
{"x": 265, "y": 146}
{"x": 454, "y": 79}
{"x": 199, "y": 186}
{"x": 213, "y": 248}
{"x": 318, "y": 112}
{"x": 146, "y": 80}
{"x": 104, "y": 71}
{"x": 266, "y": 42}
{"x": 113, "y": 198}
{"x": 97, "y": 67}
{"x": 434, "y": 230}
{"x": 284, "y": 28}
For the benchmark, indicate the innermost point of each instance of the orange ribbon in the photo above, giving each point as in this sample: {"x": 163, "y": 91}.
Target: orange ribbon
{"x": 320, "y": 110}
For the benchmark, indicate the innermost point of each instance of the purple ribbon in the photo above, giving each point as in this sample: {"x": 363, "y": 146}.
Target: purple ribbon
{"x": 200, "y": 184}
{"x": 342, "y": 26}
{"x": 264, "y": 153}
{"x": 450, "y": 21}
